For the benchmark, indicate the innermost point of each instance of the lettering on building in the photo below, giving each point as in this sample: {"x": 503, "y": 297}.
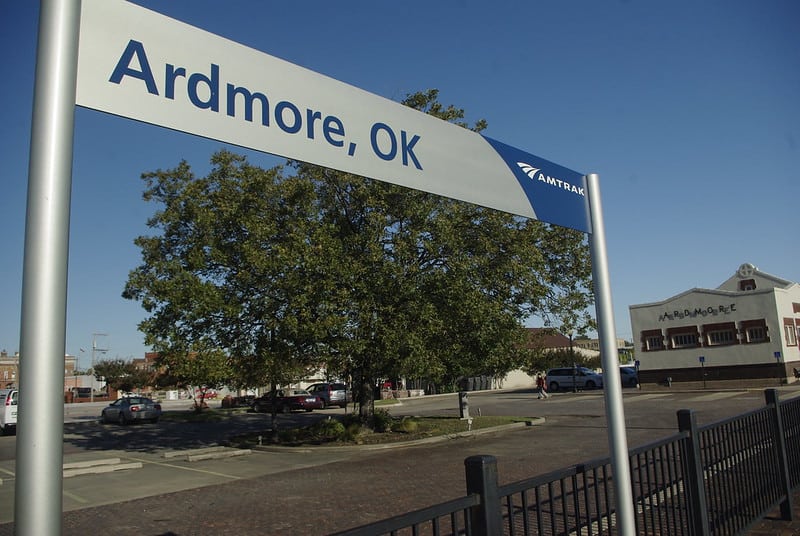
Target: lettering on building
{"x": 712, "y": 310}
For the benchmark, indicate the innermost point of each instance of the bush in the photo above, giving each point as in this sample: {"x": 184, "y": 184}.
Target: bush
{"x": 292, "y": 435}
{"x": 328, "y": 430}
{"x": 406, "y": 426}
{"x": 381, "y": 421}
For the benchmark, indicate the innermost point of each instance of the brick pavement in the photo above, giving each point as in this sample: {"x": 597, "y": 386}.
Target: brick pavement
{"x": 344, "y": 494}
{"x": 337, "y": 496}
{"x": 333, "y": 497}
{"x": 773, "y": 525}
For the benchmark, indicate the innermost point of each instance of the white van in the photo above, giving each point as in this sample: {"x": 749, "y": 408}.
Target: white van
{"x": 8, "y": 410}
{"x": 567, "y": 377}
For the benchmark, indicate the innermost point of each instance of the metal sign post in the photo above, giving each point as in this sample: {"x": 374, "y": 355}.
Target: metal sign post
{"x": 702, "y": 360}
{"x": 612, "y": 382}
{"x": 37, "y": 510}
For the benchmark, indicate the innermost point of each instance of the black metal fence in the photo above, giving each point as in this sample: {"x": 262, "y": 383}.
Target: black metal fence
{"x": 715, "y": 479}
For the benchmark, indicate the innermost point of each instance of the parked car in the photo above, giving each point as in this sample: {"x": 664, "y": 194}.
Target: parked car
{"x": 131, "y": 409}
{"x": 563, "y": 378}
{"x": 629, "y": 376}
{"x": 331, "y": 394}
{"x": 8, "y": 410}
{"x": 287, "y": 400}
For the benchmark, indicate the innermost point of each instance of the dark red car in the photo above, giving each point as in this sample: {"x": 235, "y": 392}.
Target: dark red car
{"x": 288, "y": 400}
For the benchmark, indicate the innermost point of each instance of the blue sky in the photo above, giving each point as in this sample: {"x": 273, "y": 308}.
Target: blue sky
{"x": 689, "y": 112}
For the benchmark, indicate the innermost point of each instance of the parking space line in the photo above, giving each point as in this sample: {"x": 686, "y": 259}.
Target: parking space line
{"x": 642, "y": 398}
{"x": 716, "y": 396}
{"x": 213, "y": 473}
{"x": 6, "y": 471}
{"x": 74, "y": 497}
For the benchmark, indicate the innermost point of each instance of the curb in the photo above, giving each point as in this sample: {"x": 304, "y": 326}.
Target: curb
{"x": 210, "y": 453}
{"x": 97, "y": 466}
{"x": 536, "y": 421}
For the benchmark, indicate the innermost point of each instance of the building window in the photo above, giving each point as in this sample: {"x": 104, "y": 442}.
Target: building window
{"x": 754, "y": 331}
{"x": 720, "y": 334}
{"x": 684, "y": 340}
{"x": 652, "y": 340}
{"x": 756, "y": 334}
{"x": 683, "y": 337}
{"x": 789, "y": 332}
{"x": 720, "y": 338}
{"x": 655, "y": 343}
{"x": 747, "y": 284}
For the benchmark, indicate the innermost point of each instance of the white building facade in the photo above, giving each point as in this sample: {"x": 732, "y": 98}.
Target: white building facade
{"x": 745, "y": 332}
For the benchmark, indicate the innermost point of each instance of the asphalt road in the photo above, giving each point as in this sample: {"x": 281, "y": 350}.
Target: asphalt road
{"x": 318, "y": 491}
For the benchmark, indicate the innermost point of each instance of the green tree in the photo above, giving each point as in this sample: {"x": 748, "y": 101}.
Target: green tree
{"x": 285, "y": 272}
{"x": 200, "y": 369}
{"x": 434, "y": 287}
{"x": 121, "y": 375}
{"x": 236, "y": 267}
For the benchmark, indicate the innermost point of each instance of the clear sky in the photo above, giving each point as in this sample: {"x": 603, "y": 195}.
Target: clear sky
{"x": 689, "y": 112}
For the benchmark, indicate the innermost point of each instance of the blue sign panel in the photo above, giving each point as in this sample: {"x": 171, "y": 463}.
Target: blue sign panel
{"x": 557, "y": 194}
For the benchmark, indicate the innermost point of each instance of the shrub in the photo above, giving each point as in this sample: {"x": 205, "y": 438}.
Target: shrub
{"x": 291, "y": 435}
{"x": 381, "y": 421}
{"x": 406, "y": 426}
{"x": 329, "y": 430}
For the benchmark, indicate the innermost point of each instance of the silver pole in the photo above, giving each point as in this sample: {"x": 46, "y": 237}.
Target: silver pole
{"x": 38, "y": 485}
{"x": 612, "y": 384}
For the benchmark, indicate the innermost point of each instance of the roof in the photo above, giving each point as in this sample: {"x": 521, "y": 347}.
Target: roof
{"x": 546, "y": 338}
{"x": 764, "y": 283}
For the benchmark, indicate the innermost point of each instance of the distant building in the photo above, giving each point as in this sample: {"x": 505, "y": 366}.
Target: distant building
{"x": 10, "y": 366}
{"x": 625, "y": 348}
{"x": 550, "y": 339}
{"x": 9, "y": 369}
{"x": 743, "y": 332}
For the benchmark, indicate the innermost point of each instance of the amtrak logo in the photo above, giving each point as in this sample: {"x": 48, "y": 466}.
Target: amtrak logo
{"x": 536, "y": 175}
{"x": 528, "y": 169}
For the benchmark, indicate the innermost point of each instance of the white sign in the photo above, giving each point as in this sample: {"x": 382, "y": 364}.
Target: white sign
{"x": 142, "y": 65}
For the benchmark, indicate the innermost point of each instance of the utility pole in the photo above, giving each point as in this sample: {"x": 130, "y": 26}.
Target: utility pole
{"x": 96, "y": 350}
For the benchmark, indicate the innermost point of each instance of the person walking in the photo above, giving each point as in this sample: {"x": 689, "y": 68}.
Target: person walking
{"x": 541, "y": 388}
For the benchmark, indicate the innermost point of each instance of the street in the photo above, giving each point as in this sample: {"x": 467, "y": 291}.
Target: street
{"x": 320, "y": 490}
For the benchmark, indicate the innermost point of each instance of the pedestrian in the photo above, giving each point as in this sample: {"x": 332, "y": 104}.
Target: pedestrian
{"x": 541, "y": 388}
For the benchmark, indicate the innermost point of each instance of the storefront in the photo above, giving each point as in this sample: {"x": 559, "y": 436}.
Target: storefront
{"x": 745, "y": 332}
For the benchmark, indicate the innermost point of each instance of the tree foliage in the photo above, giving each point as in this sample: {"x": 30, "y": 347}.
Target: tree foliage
{"x": 121, "y": 375}
{"x": 289, "y": 270}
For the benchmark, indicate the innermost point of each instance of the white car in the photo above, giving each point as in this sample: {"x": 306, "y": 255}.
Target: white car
{"x": 567, "y": 377}
{"x": 8, "y": 410}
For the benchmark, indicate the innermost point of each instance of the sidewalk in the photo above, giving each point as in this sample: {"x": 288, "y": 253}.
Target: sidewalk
{"x": 773, "y": 525}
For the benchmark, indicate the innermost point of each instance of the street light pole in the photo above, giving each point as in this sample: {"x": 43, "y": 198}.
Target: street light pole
{"x": 95, "y": 349}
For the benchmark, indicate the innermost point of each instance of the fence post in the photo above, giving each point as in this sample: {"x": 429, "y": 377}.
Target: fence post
{"x": 771, "y": 396}
{"x": 695, "y": 484}
{"x": 481, "y": 472}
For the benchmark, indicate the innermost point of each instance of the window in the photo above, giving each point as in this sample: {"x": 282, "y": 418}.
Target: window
{"x": 684, "y": 340}
{"x": 655, "y": 343}
{"x": 789, "y": 332}
{"x": 720, "y": 334}
{"x": 683, "y": 337}
{"x": 754, "y": 331}
{"x": 652, "y": 340}
{"x": 756, "y": 334}
{"x": 747, "y": 284}
{"x": 719, "y": 338}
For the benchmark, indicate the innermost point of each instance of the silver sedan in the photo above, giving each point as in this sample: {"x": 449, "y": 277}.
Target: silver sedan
{"x": 131, "y": 409}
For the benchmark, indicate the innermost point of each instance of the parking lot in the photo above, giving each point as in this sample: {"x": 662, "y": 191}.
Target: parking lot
{"x": 321, "y": 490}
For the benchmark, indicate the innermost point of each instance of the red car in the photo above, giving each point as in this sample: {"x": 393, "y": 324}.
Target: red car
{"x": 288, "y": 400}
